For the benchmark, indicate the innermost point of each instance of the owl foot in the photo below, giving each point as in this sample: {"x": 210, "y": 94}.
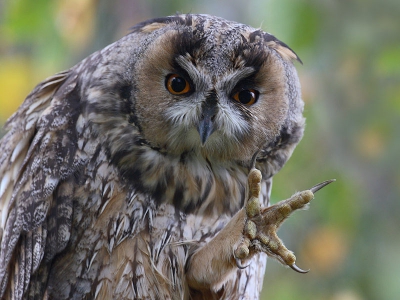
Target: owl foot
{"x": 262, "y": 223}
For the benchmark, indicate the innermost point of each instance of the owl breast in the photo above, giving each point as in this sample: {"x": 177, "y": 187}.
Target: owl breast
{"x": 125, "y": 245}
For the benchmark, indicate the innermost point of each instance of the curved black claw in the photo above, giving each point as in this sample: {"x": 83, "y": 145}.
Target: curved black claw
{"x": 239, "y": 264}
{"x": 298, "y": 270}
{"x": 319, "y": 186}
{"x": 254, "y": 160}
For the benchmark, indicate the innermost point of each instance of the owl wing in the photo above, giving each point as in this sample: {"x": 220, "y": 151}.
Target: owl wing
{"x": 274, "y": 155}
{"x": 38, "y": 151}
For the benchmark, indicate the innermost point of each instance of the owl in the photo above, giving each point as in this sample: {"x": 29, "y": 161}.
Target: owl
{"x": 144, "y": 171}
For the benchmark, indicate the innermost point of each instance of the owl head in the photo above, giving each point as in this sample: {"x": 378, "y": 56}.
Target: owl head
{"x": 197, "y": 84}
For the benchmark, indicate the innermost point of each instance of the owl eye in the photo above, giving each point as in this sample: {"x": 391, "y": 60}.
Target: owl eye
{"x": 246, "y": 97}
{"x": 177, "y": 85}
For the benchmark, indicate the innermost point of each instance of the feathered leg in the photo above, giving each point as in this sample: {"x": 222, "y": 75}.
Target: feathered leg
{"x": 251, "y": 230}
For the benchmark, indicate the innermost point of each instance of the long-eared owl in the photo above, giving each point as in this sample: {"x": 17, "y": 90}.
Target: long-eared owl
{"x": 126, "y": 176}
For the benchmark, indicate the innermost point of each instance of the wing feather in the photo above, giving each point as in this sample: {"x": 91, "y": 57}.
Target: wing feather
{"x": 39, "y": 151}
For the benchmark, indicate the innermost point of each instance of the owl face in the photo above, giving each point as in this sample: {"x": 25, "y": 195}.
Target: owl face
{"x": 192, "y": 87}
{"x": 213, "y": 87}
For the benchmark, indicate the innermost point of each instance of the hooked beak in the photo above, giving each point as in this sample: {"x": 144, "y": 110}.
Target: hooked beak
{"x": 206, "y": 125}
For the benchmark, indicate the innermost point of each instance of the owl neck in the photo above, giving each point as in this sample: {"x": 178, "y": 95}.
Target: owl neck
{"x": 191, "y": 182}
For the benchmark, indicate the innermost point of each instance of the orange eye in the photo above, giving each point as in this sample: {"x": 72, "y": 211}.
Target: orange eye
{"x": 246, "y": 97}
{"x": 177, "y": 85}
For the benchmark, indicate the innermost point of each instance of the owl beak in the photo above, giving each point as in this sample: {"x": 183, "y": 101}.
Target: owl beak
{"x": 206, "y": 125}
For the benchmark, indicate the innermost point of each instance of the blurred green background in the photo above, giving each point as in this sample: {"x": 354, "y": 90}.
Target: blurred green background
{"x": 349, "y": 237}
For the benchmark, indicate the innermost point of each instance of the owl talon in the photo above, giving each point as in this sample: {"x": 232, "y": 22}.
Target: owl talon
{"x": 319, "y": 186}
{"x": 240, "y": 265}
{"x": 254, "y": 160}
{"x": 262, "y": 223}
{"x": 298, "y": 270}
